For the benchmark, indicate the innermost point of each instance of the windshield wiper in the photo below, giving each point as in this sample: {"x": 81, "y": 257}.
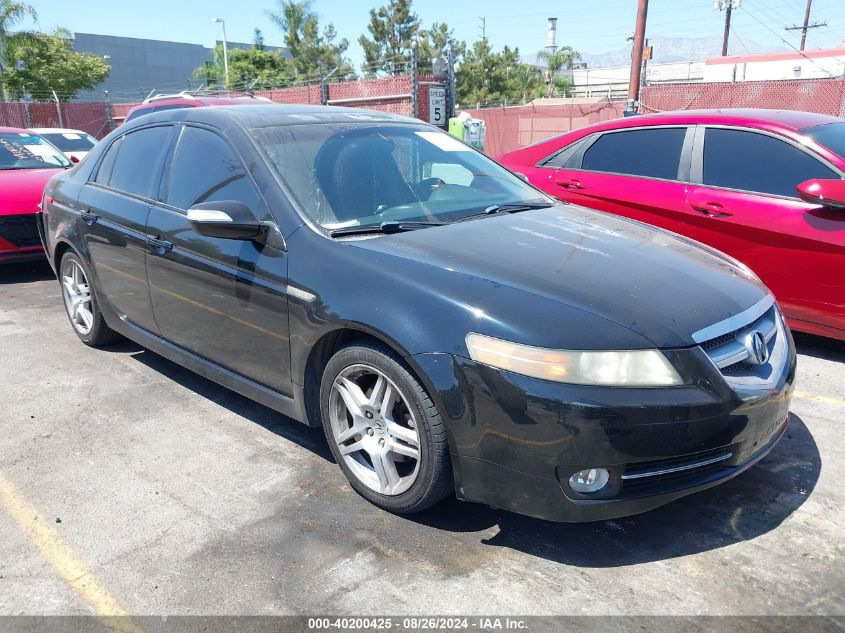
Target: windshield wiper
{"x": 512, "y": 207}
{"x": 384, "y": 227}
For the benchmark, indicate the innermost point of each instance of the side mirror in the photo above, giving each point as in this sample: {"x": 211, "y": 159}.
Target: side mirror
{"x": 227, "y": 219}
{"x": 829, "y": 193}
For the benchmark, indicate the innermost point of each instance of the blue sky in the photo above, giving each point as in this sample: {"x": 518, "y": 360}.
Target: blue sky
{"x": 595, "y": 26}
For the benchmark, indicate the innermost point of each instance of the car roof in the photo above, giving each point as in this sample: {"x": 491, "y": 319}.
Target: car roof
{"x": 14, "y": 130}
{"x": 785, "y": 119}
{"x": 55, "y": 130}
{"x": 270, "y": 115}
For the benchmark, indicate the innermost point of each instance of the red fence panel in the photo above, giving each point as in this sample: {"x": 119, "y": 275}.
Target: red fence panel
{"x": 514, "y": 127}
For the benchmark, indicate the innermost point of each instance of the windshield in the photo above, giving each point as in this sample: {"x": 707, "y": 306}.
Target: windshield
{"x": 831, "y": 135}
{"x": 70, "y": 141}
{"x": 363, "y": 174}
{"x": 22, "y": 150}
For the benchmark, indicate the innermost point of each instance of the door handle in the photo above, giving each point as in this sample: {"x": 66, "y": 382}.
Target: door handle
{"x": 569, "y": 183}
{"x": 158, "y": 245}
{"x": 89, "y": 218}
{"x": 710, "y": 209}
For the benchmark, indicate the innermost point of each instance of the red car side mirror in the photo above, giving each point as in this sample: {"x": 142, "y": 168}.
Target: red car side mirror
{"x": 829, "y": 193}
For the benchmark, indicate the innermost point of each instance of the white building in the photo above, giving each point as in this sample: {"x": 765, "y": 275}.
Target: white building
{"x": 788, "y": 65}
{"x": 612, "y": 81}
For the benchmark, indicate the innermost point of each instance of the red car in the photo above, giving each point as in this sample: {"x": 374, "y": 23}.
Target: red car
{"x": 727, "y": 178}
{"x": 187, "y": 100}
{"x": 27, "y": 162}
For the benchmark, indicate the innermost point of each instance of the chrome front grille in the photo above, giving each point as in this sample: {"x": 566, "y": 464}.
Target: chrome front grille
{"x": 749, "y": 348}
{"x": 730, "y": 351}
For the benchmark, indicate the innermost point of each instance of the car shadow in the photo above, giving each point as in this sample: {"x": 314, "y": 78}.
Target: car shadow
{"x": 310, "y": 438}
{"x": 819, "y": 347}
{"x": 25, "y": 272}
{"x": 741, "y": 509}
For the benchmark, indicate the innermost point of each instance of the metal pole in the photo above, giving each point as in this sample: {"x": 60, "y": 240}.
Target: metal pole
{"x": 637, "y": 56}
{"x": 450, "y": 99}
{"x": 225, "y": 55}
{"x": 728, "y": 8}
{"x": 414, "y": 84}
{"x": 225, "y": 52}
{"x": 58, "y": 108}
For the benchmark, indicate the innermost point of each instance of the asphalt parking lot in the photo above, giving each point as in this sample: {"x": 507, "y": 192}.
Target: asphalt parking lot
{"x": 129, "y": 482}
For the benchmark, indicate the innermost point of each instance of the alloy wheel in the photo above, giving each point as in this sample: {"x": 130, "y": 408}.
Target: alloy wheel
{"x": 376, "y": 433}
{"x": 77, "y": 294}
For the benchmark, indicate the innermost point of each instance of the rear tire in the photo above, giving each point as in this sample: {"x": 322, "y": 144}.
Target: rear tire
{"x": 81, "y": 305}
{"x": 384, "y": 431}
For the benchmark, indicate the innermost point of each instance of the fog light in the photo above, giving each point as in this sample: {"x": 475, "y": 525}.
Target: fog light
{"x": 590, "y": 480}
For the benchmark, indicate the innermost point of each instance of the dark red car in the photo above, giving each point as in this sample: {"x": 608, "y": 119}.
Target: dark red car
{"x": 27, "y": 162}
{"x": 186, "y": 100}
{"x": 727, "y": 178}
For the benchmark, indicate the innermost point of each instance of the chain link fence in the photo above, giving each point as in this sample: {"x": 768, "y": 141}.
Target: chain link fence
{"x": 406, "y": 94}
{"x": 509, "y": 128}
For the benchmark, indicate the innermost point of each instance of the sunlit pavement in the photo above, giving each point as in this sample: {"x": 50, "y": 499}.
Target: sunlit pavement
{"x": 130, "y": 485}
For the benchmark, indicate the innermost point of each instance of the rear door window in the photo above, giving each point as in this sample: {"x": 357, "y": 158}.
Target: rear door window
{"x": 750, "y": 161}
{"x": 649, "y": 153}
{"x": 137, "y": 168}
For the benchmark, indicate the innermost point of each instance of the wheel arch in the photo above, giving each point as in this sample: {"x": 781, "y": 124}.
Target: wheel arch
{"x": 329, "y": 343}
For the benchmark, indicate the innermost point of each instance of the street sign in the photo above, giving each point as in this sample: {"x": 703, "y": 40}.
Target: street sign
{"x": 437, "y": 105}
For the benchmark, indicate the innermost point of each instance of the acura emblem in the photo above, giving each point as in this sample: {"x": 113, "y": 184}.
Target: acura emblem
{"x": 755, "y": 345}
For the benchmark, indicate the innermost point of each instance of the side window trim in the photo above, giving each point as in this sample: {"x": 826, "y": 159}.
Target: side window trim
{"x": 697, "y": 169}
{"x": 548, "y": 161}
{"x": 95, "y": 173}
{"x": 578, "y": 157}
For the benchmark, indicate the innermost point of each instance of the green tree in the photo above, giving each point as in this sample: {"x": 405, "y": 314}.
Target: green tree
{"x": 393, "y": 30}
{"x": 526, "y": 82}
{"x": 484, "y": 75}
{"x": 313, "y": 52}
{"x": 256, "y": 67}
{"x": 47, "y": 62}
{"x": 436, "y": 43}
{"x": 562, "y": 58}
{"x": 11, "y": 14}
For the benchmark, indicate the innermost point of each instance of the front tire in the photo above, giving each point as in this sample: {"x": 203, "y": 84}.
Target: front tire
{"x": 383, "y": 429}
{"x": 81, "y": 303}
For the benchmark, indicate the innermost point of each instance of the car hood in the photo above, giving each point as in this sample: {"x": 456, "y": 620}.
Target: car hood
{"x": 651, "y": 281}
{"x": 21, "y": 189}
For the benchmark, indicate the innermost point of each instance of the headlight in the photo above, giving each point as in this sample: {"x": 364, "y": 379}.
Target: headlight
{"x": 634, "y": 368}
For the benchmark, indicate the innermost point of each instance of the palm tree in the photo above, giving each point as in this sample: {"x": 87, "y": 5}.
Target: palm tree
{"x": 563, "y": 57}
{"x": 526, "y": 78}
{"x": 12, "y": 13}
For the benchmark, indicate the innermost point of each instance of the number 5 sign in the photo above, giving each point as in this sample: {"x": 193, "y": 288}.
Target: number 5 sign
{"x": 437, "y": 105}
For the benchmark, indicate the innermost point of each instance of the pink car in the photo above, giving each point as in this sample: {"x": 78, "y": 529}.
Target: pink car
{"x": 27, "y": 162}
{"x": 764, "y": 186}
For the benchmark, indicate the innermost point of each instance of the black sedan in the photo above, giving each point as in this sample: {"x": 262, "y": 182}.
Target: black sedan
{"x": 452, "y": 328}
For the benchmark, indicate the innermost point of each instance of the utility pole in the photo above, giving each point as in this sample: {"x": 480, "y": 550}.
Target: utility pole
{"x": 806, "y": 26}
{"x": 483, "y": 28}
{"x": 637, "y": 58}
{"x": 727, "y": 6}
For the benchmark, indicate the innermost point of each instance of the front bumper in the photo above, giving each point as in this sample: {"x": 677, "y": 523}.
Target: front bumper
{"x": 20, "y": 240}
{"x": 515, "y": 440}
